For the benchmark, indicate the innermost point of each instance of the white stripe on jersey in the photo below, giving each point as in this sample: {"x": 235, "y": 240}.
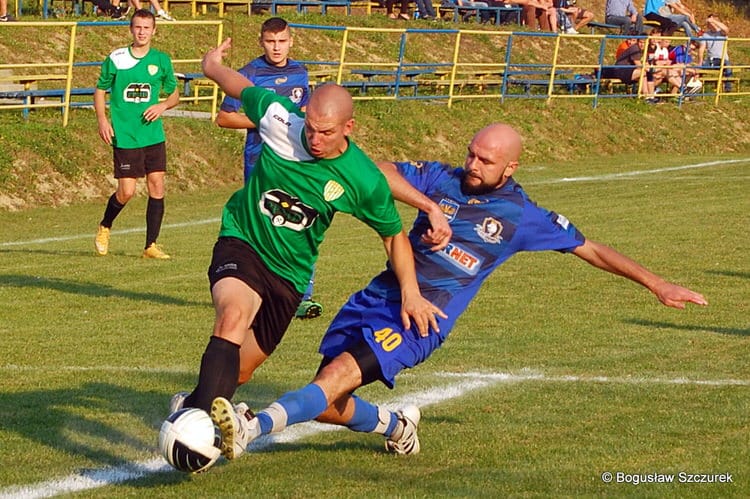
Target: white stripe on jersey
{"x": 282, "y": 132}
{"x": 123, "y": 59}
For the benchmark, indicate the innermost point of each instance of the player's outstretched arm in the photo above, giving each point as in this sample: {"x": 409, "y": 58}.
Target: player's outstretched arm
{"x": 440, "y": 233}
{"x": 229, "y": 80}
{"x": 413, "y": 305}
{"x": 606, "y": 258}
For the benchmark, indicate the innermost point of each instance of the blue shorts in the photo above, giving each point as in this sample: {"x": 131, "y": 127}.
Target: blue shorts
{"x": 377, "y": 321}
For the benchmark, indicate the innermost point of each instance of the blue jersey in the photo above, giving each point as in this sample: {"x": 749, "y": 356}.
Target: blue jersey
{"x": 487, "y": 230}
{"x": 290, "y": 81}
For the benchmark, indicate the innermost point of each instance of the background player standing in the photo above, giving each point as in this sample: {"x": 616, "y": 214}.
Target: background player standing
{"x": 275, "y": 71}
{"x": 136, "y": 75}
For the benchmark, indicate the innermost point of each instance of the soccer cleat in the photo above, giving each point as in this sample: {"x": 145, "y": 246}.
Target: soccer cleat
{"x": 101, "y": 241}
{"x": 177, "y": 401}
{"x": 237, "y": 424}
{"x": 162, "y": 14}
{"x": 408, "y": 442}
{"x": 154, "y": 251}
{"x": 308, "y": 309}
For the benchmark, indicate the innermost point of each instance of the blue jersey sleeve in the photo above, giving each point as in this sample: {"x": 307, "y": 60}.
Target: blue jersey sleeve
{"x": 542, "y": 230}
{"x": 230, "y": 104}
{"x": 422, "y": 175}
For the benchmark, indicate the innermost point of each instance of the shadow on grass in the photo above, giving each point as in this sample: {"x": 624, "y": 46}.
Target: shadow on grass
{"x": 90, "y": 289}
{"x": 683, "y": 327}
{"x": 728, "y": 273}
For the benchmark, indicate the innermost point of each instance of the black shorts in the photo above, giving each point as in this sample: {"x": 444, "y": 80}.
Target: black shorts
{"x": 233, "y": 257}
{"x": 137, "y": 163}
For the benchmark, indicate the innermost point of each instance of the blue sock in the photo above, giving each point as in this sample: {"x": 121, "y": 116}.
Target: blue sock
{"x": 304, "y": 404}
{"x": 369, "y": 418}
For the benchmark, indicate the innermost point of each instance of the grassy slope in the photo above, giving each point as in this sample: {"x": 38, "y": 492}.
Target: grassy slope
{"x": 43, "y": 164}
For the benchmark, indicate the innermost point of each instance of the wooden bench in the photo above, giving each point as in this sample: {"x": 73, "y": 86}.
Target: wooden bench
{"x": 303, "y": 5}
{"x": 594, "y": 25}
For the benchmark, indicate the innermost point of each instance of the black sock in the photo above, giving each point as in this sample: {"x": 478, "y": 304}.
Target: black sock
{"x": 111, "y": 211}
{"x": 154, "y": 216}
{"x": 220, "y": 368}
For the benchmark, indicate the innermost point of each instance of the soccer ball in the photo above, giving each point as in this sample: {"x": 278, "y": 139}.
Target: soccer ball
{"x": 189, "y": 441}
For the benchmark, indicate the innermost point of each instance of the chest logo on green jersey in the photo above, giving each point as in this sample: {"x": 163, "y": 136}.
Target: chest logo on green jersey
{"x": 137, "y": 92}
{"x": 332, "y": 191}
{"x": 286, "y": 211}
{"x": 153, "y": 69}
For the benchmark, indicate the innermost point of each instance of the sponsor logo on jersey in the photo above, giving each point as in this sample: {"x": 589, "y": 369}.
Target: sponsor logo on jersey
{"x": 153, "y": 69}
{"x": 287, "y": 211}
{"x": 225, "y": 267}
{"x": 137, "y": 93}
{"x": 562, "y": 221}
{"x": 461, "y": 258}
{"x": 281, "y": 119}
{"x": 296, "y": 95}
{"x": 490, "y": 230}
{"x": 333, "y": 190}
{"x": 280, "y": 80}
{"x": 449, "y": 208}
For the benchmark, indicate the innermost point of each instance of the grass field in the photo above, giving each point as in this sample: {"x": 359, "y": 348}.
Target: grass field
{"x": 556, "y": 374}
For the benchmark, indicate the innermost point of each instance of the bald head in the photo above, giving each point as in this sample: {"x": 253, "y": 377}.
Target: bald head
{"x": 491, "y": 159}
{"x": 332, "y": 101}
{"x": 502, "y": 139}
{"x": 329, "y": 121}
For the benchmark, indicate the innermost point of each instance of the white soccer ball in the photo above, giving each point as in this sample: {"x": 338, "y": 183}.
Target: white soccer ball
{"x": 189, "y": 440}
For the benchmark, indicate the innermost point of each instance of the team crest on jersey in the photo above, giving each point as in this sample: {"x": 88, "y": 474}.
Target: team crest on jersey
{"x": 280, "y": 80}
{"x": 461, "y": 258}
{"x": 332, "y": 191}
{"x": 474, "y": 201}
{"x": 286, "y": 211}
{"x": 296, "y": 95}
{"x": 153, "y": 69}
{"x": 490, "y": 230}
{"x": 449, "y": 208}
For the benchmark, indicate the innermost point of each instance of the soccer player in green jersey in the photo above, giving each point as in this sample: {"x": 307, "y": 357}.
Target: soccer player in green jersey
{"x": 136, "y": 75}
{"x": 307, "y": 171}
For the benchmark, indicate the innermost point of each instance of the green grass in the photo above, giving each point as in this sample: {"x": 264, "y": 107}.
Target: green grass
{"x": 94, "y": 347}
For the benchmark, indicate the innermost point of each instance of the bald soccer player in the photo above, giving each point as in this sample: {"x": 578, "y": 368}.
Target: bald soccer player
{"x": 271, "y": 229}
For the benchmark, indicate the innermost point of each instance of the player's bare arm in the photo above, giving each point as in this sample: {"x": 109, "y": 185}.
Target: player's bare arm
{"x": 413, "y": 305}
{"x": 229, "y": 80}
{"x": 106, "y": 132}
{"x": 440, "y": 233}
{"x": 606, "y": 258}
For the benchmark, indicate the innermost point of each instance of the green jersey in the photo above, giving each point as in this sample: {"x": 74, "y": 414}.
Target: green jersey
{"x": 135, "y": 86}
{"x": 291, "y": 197}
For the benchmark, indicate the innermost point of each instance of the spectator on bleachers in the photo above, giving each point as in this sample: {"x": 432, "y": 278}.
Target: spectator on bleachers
{"x": 712, "y": 47}
{"x": 538, "y": 14}
{"x": 676, "y": 12}
{"x": 403, "y": 13}
{"x": 654, "y": 11}
{"x": 623, "y": 46}
{"x": 623, "y": 13}
{"x": 683, "y": 58}
{"x": 628, "y": 68}
{"x": 426, "y": 10}
{"x": 136, "y": 4}
{"x": 4, "y": 17}
{"x": 571, "y": 18}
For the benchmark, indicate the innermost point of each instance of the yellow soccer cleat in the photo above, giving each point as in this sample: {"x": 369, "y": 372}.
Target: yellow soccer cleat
{"x": 154, "y": 251}
{"x": 101, "y": 241}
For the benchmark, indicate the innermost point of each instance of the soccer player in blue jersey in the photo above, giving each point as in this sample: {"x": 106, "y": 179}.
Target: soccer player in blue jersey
{"x": 276, "y": 71}
{"x": 491, "y": 218}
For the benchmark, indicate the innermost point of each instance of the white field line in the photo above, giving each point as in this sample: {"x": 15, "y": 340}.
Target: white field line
{"x": 611, "y": 176}
{"x": 638, "y": 173}
{"x": 91, "y": 479}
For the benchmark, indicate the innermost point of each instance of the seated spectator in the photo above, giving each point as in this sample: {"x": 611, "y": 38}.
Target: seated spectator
{"x": 623, "y": 13}
{"x": 536, "y": 15}
{"x": 653, "y": 11}
{"x": 661, "y": 67}
{"x": 425, "y": 9}
{"x": 570, "y": 17}
{"x": 676, "y": 12}
{"x": 683, "y": 57}
{"x": 626, "y": 43}
{"x": 403, "y": 10}
{"x": 628, "y": 69}
{"x": 712, "y": 50}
